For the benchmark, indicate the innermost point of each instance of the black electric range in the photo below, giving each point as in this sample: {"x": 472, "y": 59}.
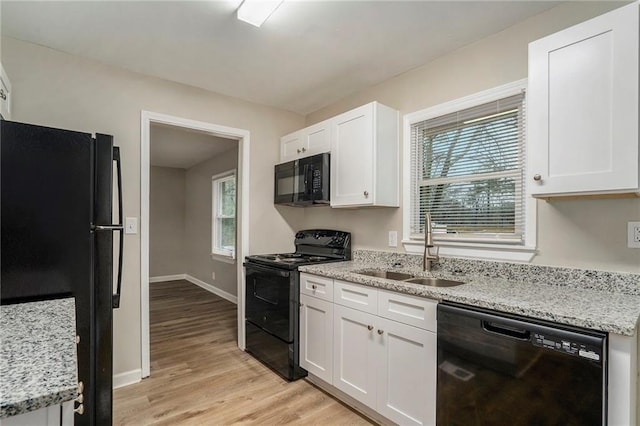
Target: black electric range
{"x": 272, "y": 297}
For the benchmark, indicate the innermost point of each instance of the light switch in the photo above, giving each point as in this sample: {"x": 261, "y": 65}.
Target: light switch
{"x": 393, "y": 239}
{"x": 131, "y": 225}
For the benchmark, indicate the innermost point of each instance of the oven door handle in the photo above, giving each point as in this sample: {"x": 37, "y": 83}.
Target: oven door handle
{"x": 257, "y": 296}
{"x": 266, "y": 269}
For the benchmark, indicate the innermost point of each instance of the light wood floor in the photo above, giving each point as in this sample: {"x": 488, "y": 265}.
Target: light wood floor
{"x": 200, "y": 377}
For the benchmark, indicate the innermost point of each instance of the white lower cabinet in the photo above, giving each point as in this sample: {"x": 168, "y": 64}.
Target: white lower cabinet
{"x": 406, "y": 374}
{"x": 383, "y": 353}
{"x": 355, "y": 360}
{"x": 316, "y": 332}
{"x": 54, "y": 415}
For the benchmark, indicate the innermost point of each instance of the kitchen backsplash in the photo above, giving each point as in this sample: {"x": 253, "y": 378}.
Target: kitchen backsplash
{"x": 625, "y": 283}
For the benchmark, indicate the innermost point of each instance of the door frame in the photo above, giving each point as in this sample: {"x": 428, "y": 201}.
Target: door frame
{"x": 242, "y": 233}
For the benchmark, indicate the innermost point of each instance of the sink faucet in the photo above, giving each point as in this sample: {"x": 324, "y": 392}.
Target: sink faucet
{"x": 427, "y": 257}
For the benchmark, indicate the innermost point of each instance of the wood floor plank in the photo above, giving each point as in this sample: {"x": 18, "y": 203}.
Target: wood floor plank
{"x": 200, "y": 377}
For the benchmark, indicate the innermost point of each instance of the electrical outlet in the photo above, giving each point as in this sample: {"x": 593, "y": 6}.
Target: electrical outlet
{"x": 213, "y": 276}
{"x": 633, "y": 234}
{"x": 393, "y": 239}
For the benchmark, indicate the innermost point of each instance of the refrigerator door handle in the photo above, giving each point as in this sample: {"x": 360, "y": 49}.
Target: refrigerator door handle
{"x": 116, "y": 297}
{"x": 116, "y": 227}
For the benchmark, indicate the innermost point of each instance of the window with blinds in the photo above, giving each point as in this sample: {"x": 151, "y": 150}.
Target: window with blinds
{"x": 467, "y": 172}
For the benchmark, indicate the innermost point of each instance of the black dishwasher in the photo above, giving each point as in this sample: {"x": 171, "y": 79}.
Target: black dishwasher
{"x": 501, "y": 369}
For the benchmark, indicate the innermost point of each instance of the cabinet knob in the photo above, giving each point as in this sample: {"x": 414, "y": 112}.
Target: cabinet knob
{"x": 537, "y": 178}
{"x": 298, "y": 150}
{"x": 313, "y": 286}
{"x": 380, "y": 331}
{"x": 79, "y": 399}
{"x": 3, "y": 95}
{"x": 366, "y": 193}
{"x": 77, "y": 339}
{"x": 80, "y": 387}
{"x": 79, "y": 410}
{"x": 301, "y": 305}
{"x": 304, "y": 149}
{"x": 370, "y": 327}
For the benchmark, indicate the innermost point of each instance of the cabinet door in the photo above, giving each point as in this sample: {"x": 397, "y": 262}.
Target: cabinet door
{"x": 354, "y": 357}
{"x": 53, "y": 415}
{"x": 352, "y": 147}
{"x": 317, "y": 138}
{"x": 407, "y": 380}
{"x": 583, "y": 107}
{"x": 291, "y": 146}
{"x": 316, "y": 337}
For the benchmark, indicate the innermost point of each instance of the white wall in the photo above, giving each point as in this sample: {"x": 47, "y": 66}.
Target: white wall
{"x": 198, "y": 222}
{"x": 582, "y": 234}
{"x": 59, "y": 90}
{"x": 166, "y": 221}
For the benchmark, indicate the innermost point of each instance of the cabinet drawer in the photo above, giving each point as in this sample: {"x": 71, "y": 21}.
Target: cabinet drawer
{"x": 356, "y": 296}
{"x": 411, "y": 310}
{"x": 316, "y": 286}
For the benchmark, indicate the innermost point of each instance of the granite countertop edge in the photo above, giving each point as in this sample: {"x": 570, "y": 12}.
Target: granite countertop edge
{"x": 38, "y": 358}
{"x": 585, "y": 308}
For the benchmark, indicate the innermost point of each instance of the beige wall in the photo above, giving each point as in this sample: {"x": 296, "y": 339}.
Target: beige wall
{"x": 198, "y": 223}
{"x": 60, "y": 90}
{"x": 166, "y": 221}
{"x": 583, "y": 234}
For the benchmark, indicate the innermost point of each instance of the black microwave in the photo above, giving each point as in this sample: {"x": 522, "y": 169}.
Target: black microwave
{"x": 303, "y": 182}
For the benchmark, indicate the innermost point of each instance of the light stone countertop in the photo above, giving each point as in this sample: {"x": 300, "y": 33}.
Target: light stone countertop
{"x": 38, "y": 359}
{"x": 582, "y": 307}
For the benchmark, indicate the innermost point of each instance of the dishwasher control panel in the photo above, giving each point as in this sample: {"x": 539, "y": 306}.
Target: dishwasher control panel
{"x": 560, "y": 344}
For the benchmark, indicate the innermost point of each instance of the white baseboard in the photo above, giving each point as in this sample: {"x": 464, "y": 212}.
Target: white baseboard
{"x": 215, "y": 290}
{"x": 164, "y": 278}
{"x": 127, "y": 378}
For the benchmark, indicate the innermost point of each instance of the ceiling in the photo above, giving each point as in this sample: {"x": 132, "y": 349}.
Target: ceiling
{"x": 308, "y": 55}
{"x": 183, "y": 148}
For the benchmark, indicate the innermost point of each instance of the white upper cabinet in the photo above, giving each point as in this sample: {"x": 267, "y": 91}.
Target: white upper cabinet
{"x": 364, "y": 157}
{"x": 5, "y": 95}
{"x": 583, "y": 108}
{"x": 306, "y": 142}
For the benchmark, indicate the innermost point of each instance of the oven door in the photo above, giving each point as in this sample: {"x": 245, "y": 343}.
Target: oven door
{"x": 267, "y": 298}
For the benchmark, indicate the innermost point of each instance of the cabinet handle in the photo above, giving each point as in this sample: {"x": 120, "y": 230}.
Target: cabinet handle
{"x": 370, "y": 327}
{"x": 3, "y": 95}
{"x": 79, "y": 410}
{"x": 366, "y": 193}
{"x": 313, "y": 286}
{"x": 537, "y": 178}
{"x": 80, "y": 387}
{"x": 380, "y": 331}
{"x": 77, "y": 339}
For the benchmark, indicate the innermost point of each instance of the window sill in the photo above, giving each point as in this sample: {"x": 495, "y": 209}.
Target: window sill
{"x": 500, "y": 252}
{"x": 224, "y": 257}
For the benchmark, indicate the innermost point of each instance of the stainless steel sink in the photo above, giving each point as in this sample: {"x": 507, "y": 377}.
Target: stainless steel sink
{"x": 390, "y": 275}
{"x": 401, "y": 276}
{"x": 434, "y": 282}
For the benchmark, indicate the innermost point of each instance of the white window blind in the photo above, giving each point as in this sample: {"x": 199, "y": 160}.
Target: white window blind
{"x": 223, "y": 239}
{"x": 467, "y": 172}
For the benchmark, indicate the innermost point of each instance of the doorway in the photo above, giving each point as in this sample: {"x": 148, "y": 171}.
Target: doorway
{"x": 243, "y": 138}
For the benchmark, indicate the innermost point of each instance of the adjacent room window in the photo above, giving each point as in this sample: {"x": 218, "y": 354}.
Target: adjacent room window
{"x": 467, "y": 168}
{"x": 224, "y": 214}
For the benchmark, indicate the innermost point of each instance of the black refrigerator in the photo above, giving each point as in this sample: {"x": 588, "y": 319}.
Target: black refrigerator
{"x": 57, "y": 232}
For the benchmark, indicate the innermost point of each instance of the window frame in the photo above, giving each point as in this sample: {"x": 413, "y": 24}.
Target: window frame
{"x": 495, "y": 249}
{"x": 217, "y": 252}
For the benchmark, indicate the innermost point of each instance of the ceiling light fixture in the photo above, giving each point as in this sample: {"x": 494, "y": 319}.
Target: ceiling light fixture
{"x": 255, "y": 12}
